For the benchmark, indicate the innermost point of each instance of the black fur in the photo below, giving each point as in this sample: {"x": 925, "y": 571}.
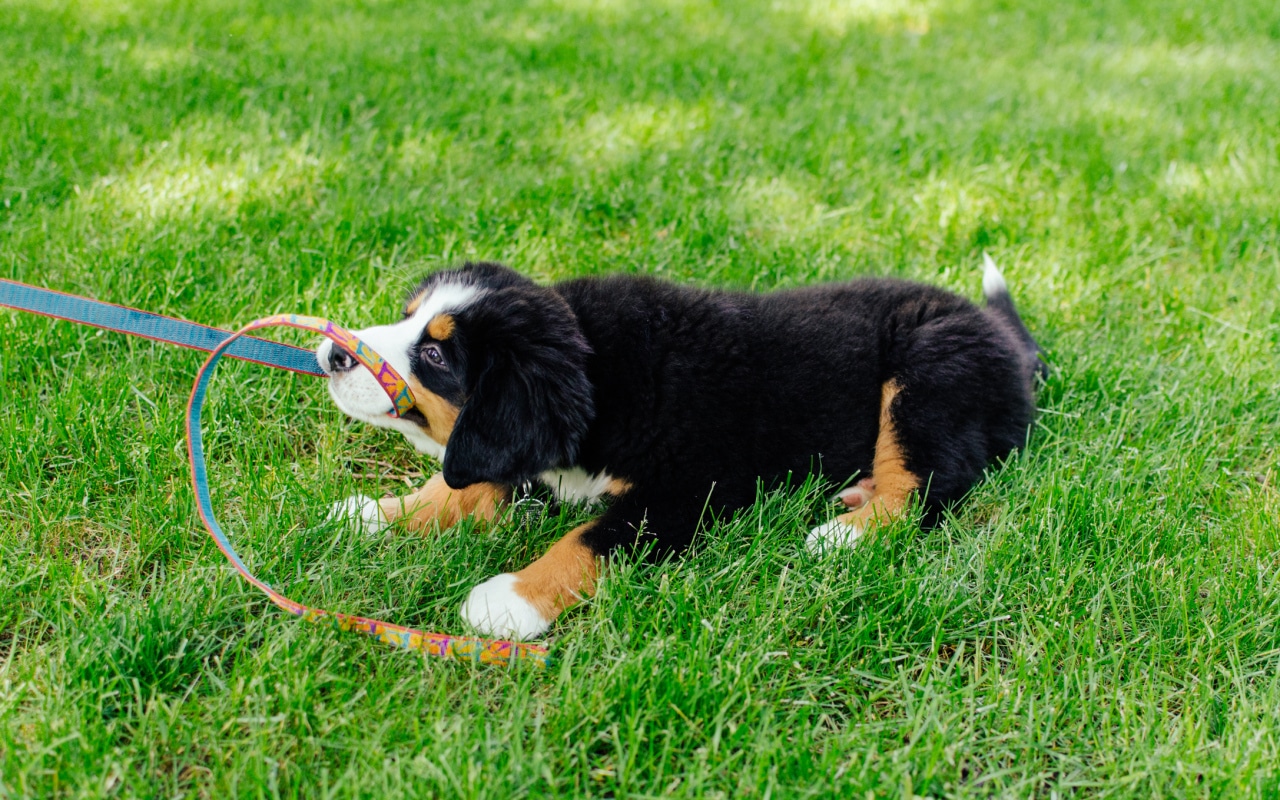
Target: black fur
{"x": 696, "y": 397}
{"x": 529, "y": 402}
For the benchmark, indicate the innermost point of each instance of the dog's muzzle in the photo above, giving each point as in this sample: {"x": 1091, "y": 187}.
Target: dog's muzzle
{"x": 339, "y": 360}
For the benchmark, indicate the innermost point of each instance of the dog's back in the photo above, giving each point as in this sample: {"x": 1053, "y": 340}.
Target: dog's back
{"x": 695, "y": 387}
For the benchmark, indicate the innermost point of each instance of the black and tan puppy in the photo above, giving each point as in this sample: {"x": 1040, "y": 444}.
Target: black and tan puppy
{"x": 673, "y": 404}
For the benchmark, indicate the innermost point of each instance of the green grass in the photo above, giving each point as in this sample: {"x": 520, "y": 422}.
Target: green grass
{"x": 1102, "y": 617}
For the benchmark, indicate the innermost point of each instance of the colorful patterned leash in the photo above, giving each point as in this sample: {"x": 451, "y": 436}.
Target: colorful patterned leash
{"x": 485, "y": 651}
{"x": 221, "y": 343}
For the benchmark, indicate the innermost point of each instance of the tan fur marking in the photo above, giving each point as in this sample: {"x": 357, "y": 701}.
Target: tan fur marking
{"x": 441, "y": 327}
{"x": 562, "y": 578}
{"x": 618, "y": 487}
{"x": 891, "y": 482}
{"x": 414, "y": 303}
{"x": 440, "y": 413}
{"x": 435, "y": 503}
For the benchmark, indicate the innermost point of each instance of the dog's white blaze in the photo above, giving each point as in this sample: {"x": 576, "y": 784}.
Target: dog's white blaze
{"x": 576, "y": 485}
{"x": 495, "y": 609}
{"x": 358, "y": 394}
{"x": 993, "y": 283}
{"x": 445, "y": 297}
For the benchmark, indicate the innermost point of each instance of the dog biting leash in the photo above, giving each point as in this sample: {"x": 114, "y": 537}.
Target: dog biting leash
{"x": 219, "y": 343}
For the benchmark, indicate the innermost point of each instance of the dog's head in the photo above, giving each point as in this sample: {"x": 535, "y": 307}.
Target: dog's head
{"x": 497, "y": 366}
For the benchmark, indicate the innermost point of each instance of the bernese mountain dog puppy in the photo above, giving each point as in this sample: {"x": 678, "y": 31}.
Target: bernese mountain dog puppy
{"x": 675, "y": 404}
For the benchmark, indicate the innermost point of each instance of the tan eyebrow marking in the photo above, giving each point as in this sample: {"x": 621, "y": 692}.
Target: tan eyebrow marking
{"x": 414, "y": 303}
{"x": 441, "y": 327}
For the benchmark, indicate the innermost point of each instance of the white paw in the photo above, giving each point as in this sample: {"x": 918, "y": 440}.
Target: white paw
{"x": 832, "y": 535}
{"x": 362, "y": 510}
{"x": 495, "y": 609}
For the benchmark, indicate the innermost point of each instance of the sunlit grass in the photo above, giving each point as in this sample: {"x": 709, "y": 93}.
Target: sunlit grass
{"x": 838, "y": 16}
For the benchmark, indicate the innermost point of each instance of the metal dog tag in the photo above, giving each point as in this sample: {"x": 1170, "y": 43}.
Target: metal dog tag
{"x": 528, "y": 509}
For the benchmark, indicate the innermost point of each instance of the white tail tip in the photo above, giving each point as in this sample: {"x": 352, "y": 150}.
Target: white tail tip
{"x": 993, "y": 284}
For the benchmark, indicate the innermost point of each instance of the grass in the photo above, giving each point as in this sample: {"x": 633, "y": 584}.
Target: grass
{"x": 1101, "y": 618}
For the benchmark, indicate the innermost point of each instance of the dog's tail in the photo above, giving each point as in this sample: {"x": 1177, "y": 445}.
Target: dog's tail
{"x": 1001, "y": 303}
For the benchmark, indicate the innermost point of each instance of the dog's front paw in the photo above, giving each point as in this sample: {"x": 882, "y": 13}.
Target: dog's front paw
{"x": 494, "y": 608}
{"x": 361, "y": 510}
{"x": 831, "y": 536}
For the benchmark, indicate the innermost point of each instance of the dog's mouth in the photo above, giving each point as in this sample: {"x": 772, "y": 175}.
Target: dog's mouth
{"x": 360, "y": 395}
{"x": 415, "y": 416}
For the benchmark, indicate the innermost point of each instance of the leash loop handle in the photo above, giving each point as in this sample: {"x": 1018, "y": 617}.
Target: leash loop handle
{"x": 485, "y": 651}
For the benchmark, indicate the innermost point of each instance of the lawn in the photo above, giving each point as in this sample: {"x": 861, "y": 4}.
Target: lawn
{"x": 1101, "y": 617}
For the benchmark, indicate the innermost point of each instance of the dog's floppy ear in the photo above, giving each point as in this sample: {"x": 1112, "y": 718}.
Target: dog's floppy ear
{"x": 530, "y": 402}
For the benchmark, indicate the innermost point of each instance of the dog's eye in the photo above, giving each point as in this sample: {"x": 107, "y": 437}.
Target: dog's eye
{"x": 433, "y": 355}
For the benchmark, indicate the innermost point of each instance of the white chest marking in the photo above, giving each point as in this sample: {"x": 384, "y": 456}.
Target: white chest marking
{"x": 576, "y": 485}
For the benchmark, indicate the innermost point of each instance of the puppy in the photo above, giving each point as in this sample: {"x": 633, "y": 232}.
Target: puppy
{"x": 674, "y": 404}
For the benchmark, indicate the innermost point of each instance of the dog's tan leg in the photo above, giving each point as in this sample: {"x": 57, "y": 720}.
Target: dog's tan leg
{"x": 523, "y": 604}
{"x": 883, "y": 496}
{"x": 436, "y": 504}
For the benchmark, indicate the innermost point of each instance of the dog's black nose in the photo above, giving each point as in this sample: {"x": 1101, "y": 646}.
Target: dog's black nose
{"x": 340, "y": 360}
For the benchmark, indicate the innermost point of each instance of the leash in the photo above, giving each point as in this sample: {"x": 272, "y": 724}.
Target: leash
{"x": 157, "y": 328}
{"x": 220, "y": 343}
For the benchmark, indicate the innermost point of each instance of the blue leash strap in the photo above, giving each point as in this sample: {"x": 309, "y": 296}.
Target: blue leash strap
{"x": 123, "y": 319}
